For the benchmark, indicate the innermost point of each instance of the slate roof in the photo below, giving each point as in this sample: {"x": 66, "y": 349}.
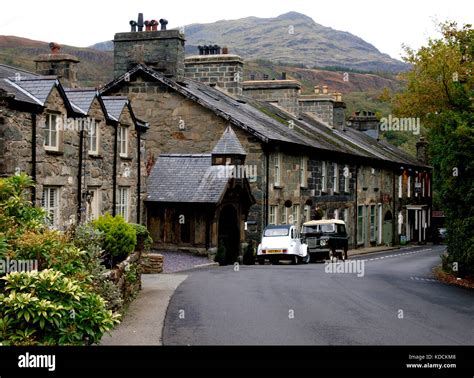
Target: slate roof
{"x": 19, "y": 94}
{"x": 186, "y": 178}
{"x": 114, "y": 105}
{"x": 39, "y": 87}
{"x": 81, "y": 97}
{"x": 271, "y": 123}
{"x": 229, "y": 144}
{"x": 11, "y": 72}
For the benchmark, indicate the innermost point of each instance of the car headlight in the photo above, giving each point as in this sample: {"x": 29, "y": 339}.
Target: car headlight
{"x": 323, "y": 242}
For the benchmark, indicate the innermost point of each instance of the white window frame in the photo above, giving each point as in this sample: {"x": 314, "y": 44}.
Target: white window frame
{"x": 335, "y": 184}
{"x": 373, "y": 220}
{"x": 273, "y": 214}
{"x": 93, "y": 138}
{"x": 123, "y": 202}
{"x": 360, "y": 227}
{"x": 277, "y": 169}
{"x": 324, "y": 176}
{"x": 400, "y": 186}
{"x": 48, "y": 130}
{"x": 93, "y": 212}
{"x": 346, "y": 179}
{"x": 51, "y": 205}
{"x": 283, "y": 215}
{"x": 296, "y": 214}
{"x": 303, "y": 178}
{"x": 122, "y": 141}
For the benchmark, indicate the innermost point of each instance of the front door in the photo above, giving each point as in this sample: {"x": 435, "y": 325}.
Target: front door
{"x": 229, "y": 233}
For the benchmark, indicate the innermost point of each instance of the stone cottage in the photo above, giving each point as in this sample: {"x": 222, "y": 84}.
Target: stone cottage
{"x": 305, "y": 157}
{"x": 81, "y": 148}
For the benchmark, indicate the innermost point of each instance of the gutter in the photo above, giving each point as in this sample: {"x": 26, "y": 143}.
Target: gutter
{"x": 79, "y": 174}
{"x": 114, "y": 173}
{"x": 356, "y": 206}
{"x": 139, "y": 174}
{"x": 33, "y": 156}
{"x": 267, "y": 189}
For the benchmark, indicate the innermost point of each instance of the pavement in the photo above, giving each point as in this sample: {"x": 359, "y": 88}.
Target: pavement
{"x": 395, "y": 300}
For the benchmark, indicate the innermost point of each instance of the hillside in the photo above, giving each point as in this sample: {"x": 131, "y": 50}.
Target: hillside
{"x": 290, "y": 38}
{"x": 96, "y": 67}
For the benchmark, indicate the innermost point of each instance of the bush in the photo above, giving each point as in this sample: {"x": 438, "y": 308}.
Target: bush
{"x": 48, "y": 308}
{"x": 220, "y": 255}
{"x": 144, "y": 240}
{"x": 120, "y": 237}
{"x": 249, "y": 254}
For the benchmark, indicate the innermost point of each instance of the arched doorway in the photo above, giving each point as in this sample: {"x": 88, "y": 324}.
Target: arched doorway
{"x": 387, "y": 228}
{"x": 229, "y": 233}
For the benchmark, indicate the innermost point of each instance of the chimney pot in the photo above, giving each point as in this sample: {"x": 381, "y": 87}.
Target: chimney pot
{"x": 140, "y": 22}
{"x": 154, "y": 25}
{"x": 163, "y": 23}
{"x": 147, "y": 26}
{"x": 325, "y": 89}
{"x": 265, "y": 77}
{"x": 133, "y": 25}
{"x": 55, "y": 47}
{"x": 225, "y": 50}
{"x": 316, "y": 89}
{"x": 283, "y": 75}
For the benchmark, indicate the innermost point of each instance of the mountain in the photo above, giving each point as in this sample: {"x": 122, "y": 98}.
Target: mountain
{"x": 95, "y": 68}
{"x": 290, "y": 38}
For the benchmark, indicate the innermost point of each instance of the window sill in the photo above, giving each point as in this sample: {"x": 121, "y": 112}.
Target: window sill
{"x": 95, "y": 156}
{"x": 129, "y": 158}
{"x": 54, "y": 152}
{"x": 275, "y": 186}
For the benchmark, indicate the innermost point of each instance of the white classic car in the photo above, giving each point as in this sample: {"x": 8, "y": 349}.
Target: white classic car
{"x": 282, "y": 242}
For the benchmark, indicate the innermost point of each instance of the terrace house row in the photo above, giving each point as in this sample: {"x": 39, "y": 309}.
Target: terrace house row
{"x": 81, "y": 148}
{"x": 303, "y": 160}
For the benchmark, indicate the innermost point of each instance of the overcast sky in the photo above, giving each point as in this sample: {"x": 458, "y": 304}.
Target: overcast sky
{"x": 385, "y": 24}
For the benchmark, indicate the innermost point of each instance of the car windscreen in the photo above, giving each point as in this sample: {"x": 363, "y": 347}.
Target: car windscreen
{"x": 276, "y": 232}
{"x": 318, "y": 228}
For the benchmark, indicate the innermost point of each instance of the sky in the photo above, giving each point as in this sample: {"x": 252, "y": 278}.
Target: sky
{"x": 385, "y": 24}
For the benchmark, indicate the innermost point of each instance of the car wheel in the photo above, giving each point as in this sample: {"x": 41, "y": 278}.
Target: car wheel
{"x": 332, "y": 254}
{"x": 261, "y": 261}
{"x": 306, "y": 259}
{"x": 345, "y": 252}
{"x": 343, "y": 255}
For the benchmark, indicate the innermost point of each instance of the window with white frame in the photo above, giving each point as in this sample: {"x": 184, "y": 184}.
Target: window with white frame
{"x": 324, "y": 177}
{"x": 296, "y": 214}
{"x": 372, "y": 222}
{"x": 303, "y": 181}
{"x": 277, "y": 169}
{"x": 51, "y": 132}
{"x": 93, "y": 138}
{"x": 346, "y": 178}
{"x": 360, "y": 224}
{"x": 283, "y": 215}
{"x": 50, "y": 203}
{"x": 123, "y": 141}
{"x": 93, "y": 205}
{"x": 273, "y": 215}
{"x": 335, "y": 182}
{"x": 123, "y": 202}
{"x": 307, "y": 209}
{"x": 400, "y": 186}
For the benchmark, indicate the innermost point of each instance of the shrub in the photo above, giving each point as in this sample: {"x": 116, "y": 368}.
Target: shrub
{"x": 144, "y": 240}
{"x": 120, "y": 237}
{"x": 249, "y": 254}
{"x": 220, "y": 255}
{"x": 48, "y": 308}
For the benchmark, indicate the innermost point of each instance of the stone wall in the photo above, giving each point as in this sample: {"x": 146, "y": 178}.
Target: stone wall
{"x": 127, "y": 277}
{"x": 323, "y": 108}
{"x": 225, "y": 70}
{"x": 162, "y": 50}
{"x": 283, "y": 92}
{"x": 152, "y": 263}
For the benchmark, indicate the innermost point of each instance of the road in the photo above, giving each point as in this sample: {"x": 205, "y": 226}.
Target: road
{"x": 395, "y": 301}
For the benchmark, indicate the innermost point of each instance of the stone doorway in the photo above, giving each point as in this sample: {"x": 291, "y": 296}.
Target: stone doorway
{"x": 229, "y": 233}
{"x": 387, "y": 228}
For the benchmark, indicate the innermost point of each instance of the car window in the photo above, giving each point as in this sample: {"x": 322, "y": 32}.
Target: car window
{"x": 327, "y": 227}
{"x": 276, "y": 232}
{"x": 341, "y": 229}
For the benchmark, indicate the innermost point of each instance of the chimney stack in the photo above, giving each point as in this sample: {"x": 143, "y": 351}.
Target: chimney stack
{"x": 325, "y": 89}
{"x": 316, "y": 89}
{"x": 64, "y": 66}
{"x": 422, "y": 150}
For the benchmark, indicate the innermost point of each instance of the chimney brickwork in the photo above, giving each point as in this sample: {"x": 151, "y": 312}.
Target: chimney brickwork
{"x": 58, "y": 64}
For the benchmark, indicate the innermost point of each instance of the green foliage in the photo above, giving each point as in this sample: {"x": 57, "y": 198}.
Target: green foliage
{"x": 48, "y": 308}
{"x": 220, "y": 255}
{"x": 120, "y": 238}
{"x": 144, "y": 240}
{"x": 440, "y": 89}
{"x": 249, "y": 254}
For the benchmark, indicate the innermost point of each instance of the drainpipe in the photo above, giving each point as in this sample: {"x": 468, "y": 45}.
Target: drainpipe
{"x": 267, "y": 189}
{"x": 139, "y": 174}
{"x": 114, "y": 173}
{"x": 79, "y": 174}
{"x": 395, "y": 215}
{"x": 33, "y": 157}
{"x": 356, "y": 186}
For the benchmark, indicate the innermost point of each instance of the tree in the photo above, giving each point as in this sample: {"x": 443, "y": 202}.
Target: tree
{"x": 440, "y": 90}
